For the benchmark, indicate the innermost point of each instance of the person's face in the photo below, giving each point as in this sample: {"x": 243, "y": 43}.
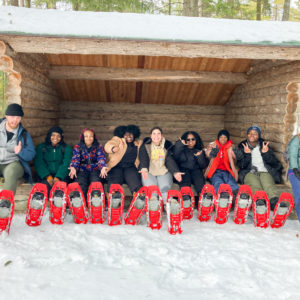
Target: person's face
{"x": 223, "y": 139}
{"x": 156, "y": 136}
{"x": 13, "y": 121}
{"x": 55, "y": 138}
{"x": 128, "y": 137}
{"x": 88, "y": 138}
{"x": 253, "y": 136}
{"x": 191, "y": 141}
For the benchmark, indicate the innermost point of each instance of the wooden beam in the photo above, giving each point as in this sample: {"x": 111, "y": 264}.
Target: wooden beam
{"x": 140, "y": 75}
{"x": 63, "y": 45}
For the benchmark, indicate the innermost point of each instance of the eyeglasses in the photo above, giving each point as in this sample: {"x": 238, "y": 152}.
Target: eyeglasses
{"x": 190, "y": 140}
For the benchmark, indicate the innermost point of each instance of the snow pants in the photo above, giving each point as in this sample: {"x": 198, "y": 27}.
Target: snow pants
{"x": 295, "y": 182}
{"x": 12, "y": 173}
{"x": 220, "y": 177}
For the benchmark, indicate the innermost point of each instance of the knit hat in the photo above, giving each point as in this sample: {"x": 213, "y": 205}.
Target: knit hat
{"x": 256, "y": 128}
{"x": 49, "y": 133}
{"x": 14, "y": 109}
{"x": 224, "y": 132}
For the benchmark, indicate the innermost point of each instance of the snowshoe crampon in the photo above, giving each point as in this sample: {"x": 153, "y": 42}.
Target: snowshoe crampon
{"x": 76, "y": 202}
{"x": 137, "y": 207}
{"x": 96, "y": 203}
{"x": 116, "y": 200}
{"x": 223, "y": 203}
{"x": 174, "y": 211}
{"x": 188, "y": 202}
{"x": 7, "y": 206}
{"x": 206, "y": 203}
{"x": 154, "y": 207}
{"x": 261, "y": 209}
{"x": 36, "y": 204}
{"x": 243, "y": 204}
{"x": 57, "y": 203}
{"x": 282, "y": 210}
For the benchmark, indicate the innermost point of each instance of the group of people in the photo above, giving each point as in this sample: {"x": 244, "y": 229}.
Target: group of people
{"x": 154, "y": 161}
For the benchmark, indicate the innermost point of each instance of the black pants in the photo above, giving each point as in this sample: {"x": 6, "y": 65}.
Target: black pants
{"x": 128, "y": 175}
{"x": 84, "y": 179}
{"x": 49, "y": 187}
{"x": 194, "y": 177}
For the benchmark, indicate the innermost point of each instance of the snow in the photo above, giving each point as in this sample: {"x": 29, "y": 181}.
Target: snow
{"x": 207, "y": 261}
{"x": 18, "y": 20}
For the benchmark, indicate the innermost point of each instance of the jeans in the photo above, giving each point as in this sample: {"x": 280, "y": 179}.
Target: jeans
{"x": 220, "y": 177}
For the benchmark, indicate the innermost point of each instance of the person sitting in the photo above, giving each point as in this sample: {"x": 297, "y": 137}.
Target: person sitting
{"x": 294, "y": 170}
{"x": 122, "y": 162}
{"x": 259, "y": 167}
{"x": 16, "y": 148}
{"x": 53, "y": 158}
{"x": 157, "y": 164}
{"x": 221, "y": 168}
{"x": 88, "y": 163}
{"x": 191, "y": 159}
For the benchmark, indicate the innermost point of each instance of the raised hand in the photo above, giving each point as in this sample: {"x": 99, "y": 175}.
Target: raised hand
{"x": 214, "y": 152}
{"x": 246, "y": 148}
{"x": 265, "y": 147}
{"x": 183, "y": 142}
{"x": 178, "y": 176}
{"x": 18, "y": 148}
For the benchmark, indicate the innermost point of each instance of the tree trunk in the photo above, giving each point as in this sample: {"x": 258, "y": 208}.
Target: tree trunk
{"x": 14, "y": 2}
{"x": 258, "y": 10}
{"x": 22, "y": 3}
{"x": 28, "y": 3}
{"x": 286, "y": 10}
{"x": 191, "y": 8}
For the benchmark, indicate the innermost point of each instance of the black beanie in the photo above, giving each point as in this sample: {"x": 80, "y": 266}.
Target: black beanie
{"x": 14, "y": 109}
{"x": 51, "y": 130}
{"x": 224, "y": 132}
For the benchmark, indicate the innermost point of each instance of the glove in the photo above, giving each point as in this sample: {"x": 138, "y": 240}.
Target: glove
{"x": 297, "y": 173}
{"x": 50, "y": 180}
{"x": 214, "y": 152}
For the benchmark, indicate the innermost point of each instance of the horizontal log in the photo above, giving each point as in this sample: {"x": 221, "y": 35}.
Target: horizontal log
{"x": 41, "y": 104}
{"x": 258, "y": 66}
{"x": 127, "y": 74}
{"x": 278, "y": 109}
{"x": 265, "y": 127}
{"x": 38, "y": 131}
{"x": 254, "y": 119}
{"x": 34, "y": 113}
{"x": 61, "y": 45}
{"x": 35, "y": 97}
{"x": 31, "y": 122}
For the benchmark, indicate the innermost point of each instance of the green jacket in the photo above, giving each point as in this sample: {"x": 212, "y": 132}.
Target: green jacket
{"x": 294, "y": 153}
{"x": 52, "y": 161}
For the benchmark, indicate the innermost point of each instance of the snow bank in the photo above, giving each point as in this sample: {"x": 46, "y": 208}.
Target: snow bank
{"x": 31, "y": 21}
{"x": 208, "y": 261}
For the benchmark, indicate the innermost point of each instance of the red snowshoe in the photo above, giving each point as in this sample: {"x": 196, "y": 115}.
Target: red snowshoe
{"x": 243, "y": 204}
{"x": 206, "y": 203}
{"x": 57, "y": 203}
{"x": 7, "y": 206}
{"x": 137, "y": 207}
{"x": 154, "y": 207}
{"x": 282, "y": 210}
{"x": 223, "y": 203}
{"x": 76, "y": 202}
{"x": 36, "y": 204}
{"x": 174, "y": 211}
{"x": 96, "y": 203}
{"x": 188, "y": 202}
{"x": 116, "y": 200}
{"x": 261, "y": 209}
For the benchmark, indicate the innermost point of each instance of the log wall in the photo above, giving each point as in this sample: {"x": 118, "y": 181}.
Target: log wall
{"x": 173, "y": 119}
{"x": 38, "y": 95}
{"x": 269, "y": 99}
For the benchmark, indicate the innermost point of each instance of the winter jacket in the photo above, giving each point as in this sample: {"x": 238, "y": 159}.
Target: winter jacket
{"x": 228, "y": 161}
{"x": 88, "y": 159}
{"x": 53, "y": 161}
{"x": 145, "y": 154}
{"x": 115, "y": 157}
{"x": 294, "y": 153}
{"x": 27, "y": 152}
{"x": 272, "y": 164}
{"x": 186, "y": 159}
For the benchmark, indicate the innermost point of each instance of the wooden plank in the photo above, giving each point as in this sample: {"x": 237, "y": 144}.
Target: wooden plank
{"x": 62, "y": 45}
{"x": 122, "y": 74}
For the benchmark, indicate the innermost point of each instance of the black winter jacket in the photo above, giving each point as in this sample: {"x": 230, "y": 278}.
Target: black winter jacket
{"x": 186, "y": 159}
{"x": 144, "y": 157}
{"x": 271, "y": 163}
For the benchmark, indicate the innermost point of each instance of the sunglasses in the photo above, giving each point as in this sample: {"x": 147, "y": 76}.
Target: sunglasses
{"x": 190, "y": 140}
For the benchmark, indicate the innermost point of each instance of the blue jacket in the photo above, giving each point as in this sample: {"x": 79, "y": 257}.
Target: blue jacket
{"x": 294, "y": 153}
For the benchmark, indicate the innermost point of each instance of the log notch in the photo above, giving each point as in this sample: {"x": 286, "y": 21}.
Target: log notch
{"x": 269, "y": 100}
{"x": 173, "y": 119}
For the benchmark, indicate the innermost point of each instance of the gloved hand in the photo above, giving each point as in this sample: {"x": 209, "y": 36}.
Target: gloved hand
{"x": 50, "y": 180}
{"x": 214, "y": 152}
{"x": 297, "y": 173}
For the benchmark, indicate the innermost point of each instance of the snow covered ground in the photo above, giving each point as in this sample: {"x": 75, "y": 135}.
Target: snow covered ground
{"x": 207, "y": 261}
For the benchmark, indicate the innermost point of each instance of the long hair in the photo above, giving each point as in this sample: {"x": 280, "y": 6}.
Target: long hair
{"x": 81, "y": 139}
{"x": 49, "y": 133}
{"x": 199, "y": 143}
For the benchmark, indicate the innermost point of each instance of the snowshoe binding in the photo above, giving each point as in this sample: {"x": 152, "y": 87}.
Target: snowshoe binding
{"x": 206, "y": 203}
{"x": 174, "y": 211}
{"x": 36, "y": 204}
{"x": 154, "y": 207}
{"x": 242, "y": 204}
{"x": 223, "y": 203}
{"x": 116, "y": 200}
{"x": 57, "y": 203}
{"x": 96, "y": 203}
{"x": 261, "y": 209}
{"x": 188, "y": 202}
{"x": 7, "y": 206}
{"x": 137, "y": 207}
